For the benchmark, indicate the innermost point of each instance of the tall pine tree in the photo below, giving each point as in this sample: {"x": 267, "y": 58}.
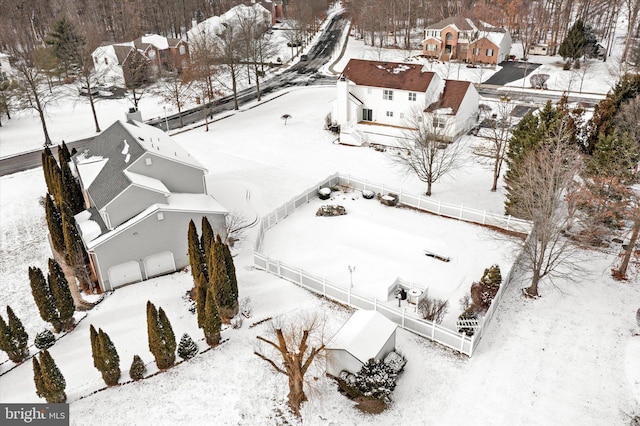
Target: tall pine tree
{"x": 61, "y": 295}
{"x": 71, "y": 191}
{"x": 109, "y": 359}
{"x": 159, "y": 333}
{"x": 95, "y": 348}
{"x": 67, "y": 44}
{"x": 168, "y": 337}
{"x": 196, "y": 254}
{"x": 212, "y": 323}
{"x": 54, "y": 223}
{"x": 76, "y": 254}
{"x": 220, "y": 283}
{"x": 41, "y": 390}
{"x": 201, "y": 296}
{"x": 52, "y": 378}
{"x": 231, "y": 272}
{"x": 19, "y": 338}
{"x": 43, "y": 298}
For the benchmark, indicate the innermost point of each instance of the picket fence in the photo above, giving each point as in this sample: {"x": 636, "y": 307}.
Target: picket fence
{"x": 343, "y": 294}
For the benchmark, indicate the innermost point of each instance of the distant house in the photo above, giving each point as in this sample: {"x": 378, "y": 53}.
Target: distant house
{"x": 274, "y": 7}
{"x": 539, "y": 49}
{"x": 378, "y": 101}
{"x": 461, "y": 39}
{"x": 365, "y": 335}
{"x": 141, "y": 190}
{"x": 161, "y": 54}
{"x": 211, "y": 28}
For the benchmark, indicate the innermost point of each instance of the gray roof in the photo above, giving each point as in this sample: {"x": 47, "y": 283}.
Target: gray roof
{"x": 110, "y": 145}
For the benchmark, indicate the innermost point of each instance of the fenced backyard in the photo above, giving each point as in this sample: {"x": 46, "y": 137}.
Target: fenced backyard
{"x": 401, "y": 316}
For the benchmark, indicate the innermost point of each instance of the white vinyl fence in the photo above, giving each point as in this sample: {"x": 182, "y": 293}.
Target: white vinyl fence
{"x": 319, "y": 285}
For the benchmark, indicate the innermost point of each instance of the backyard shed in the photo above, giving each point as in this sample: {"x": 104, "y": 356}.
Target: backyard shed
{"x": 365, "y": 335}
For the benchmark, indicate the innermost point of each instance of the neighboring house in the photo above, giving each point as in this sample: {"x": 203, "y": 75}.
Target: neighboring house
{"x": 274, "y": 7}
{"x": 461, "y": 39}
{"x": 365, "y": 335}
{"x": 141, "y": 190}
{"x": 539, "y": 49}
{"x": 380, "y": 101}
{"x": 209, "y": 29}
{"x": 161, "y": 53}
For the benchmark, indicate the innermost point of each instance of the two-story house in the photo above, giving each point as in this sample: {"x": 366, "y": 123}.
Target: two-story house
{"x": 458, "y": 38}
{"x": 141, "y": 190}
{"x": 161, "y": 54}
{"x": 378, "y": 102}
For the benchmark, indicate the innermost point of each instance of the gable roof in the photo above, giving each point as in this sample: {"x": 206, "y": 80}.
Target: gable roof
{"x": 452, "y": 96}
{"x": 462, "y": 24}
{"x": 363, "y": 335}
{"x": 388, "y": 75}
{"x": 117, "y": 148}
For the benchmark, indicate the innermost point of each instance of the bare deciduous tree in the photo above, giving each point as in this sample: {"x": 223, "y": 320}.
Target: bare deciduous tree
{"x": 425, "y": 152}
{"x": 297, "y": 342}
{"x": 547, "y": 172}
{"x": 499, "y": 133}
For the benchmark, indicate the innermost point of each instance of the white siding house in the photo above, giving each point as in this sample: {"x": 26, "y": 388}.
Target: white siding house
{"x": 365, "y": 335}
{"x": 141, "y": 190}
{"x": 378, "y": 102}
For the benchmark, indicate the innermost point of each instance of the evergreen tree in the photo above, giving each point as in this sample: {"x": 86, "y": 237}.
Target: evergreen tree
{"x": 95, "y": 348}
{"x": 137, "y": 369}
{"x": 153, "y": 333}
{"x": 41, "y": 390}
{"x": 212, "y": 323}
{"x": 66, "y": 43}
{"x": 54, "y": 383}
{"x": 76, "y": 254}
{"x": 43, "y": 298}
{"x": 52, "y": 176}
{"x": 220, "y": 283}
{"x": 492, "y": 276}
{"x": 54, "y": 223}
{"x": 614, "y": 156}
{"x": 580, "y": 41}
{"x": 603, "y": 119}
{"x": 196, "y": 257}
{"x": 109, "y": 359}
{"x": 64, "y": 156}
{"x": 6, "y": 339}
{"x": 71, "y": 191}
{"x": 19, "y": 337}
{"x": 201, "y": 296}
{"x": 44, "y": 340}
{"x": 187, "y": 348}
{"x": 61, "y": 295}
{"x": 168, "y": 338}
{"x": 231, "y": 273}
{"x": 207, "y": 240}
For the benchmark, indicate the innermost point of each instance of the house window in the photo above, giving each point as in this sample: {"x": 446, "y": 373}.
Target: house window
{"x": 439, "y": 122}
{"x": 163, "y": 54}
{"x": 449, "y": 36}
{"x": 147, "y": 161}
{"x": 389, "y": 113}
{"x": 367, "y": 114}
{"x": 387, "y": 94}
{"x": 106, "y": 61}
{"x": 489, "y": 52}
{"x": 160, "y": 216}
{"x": 476, "y": 51}
{"x": 182, "y": 49}
{"x": 431, "y": 47}
{"x": 412, "y": 96}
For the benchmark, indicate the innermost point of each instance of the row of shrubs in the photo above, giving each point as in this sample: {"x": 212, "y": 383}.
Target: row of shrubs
{"x": 479, "y": 300}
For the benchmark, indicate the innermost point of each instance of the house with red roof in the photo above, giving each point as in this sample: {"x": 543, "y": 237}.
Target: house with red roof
{"x": 379, "y": 102}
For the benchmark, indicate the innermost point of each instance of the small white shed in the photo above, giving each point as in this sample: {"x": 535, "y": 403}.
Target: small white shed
{"x": 365, "y": 335}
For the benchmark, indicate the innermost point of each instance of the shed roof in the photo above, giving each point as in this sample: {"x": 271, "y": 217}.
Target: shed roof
{"x": 363, "y": 335}
{"x": 388, "y": 75}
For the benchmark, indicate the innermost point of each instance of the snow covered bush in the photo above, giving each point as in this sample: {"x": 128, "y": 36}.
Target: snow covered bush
{"x": 483, "y": 291}
{"x": 368, "y": 194}
{"x": 187, "y": 348}
{"x": 324, "y": 193}
{"x": 137, "y": 370}
{"x": 376, "y": 380}
{"x": 44, "y": 340}
{"x": 395, "y": 362}
{"x": 464, "y": 320}
{"x": 433, "y": 309}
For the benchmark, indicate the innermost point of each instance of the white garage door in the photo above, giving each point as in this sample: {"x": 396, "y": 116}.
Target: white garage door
{"x": 159, "y": 263}
{"x": 124, "y": 273}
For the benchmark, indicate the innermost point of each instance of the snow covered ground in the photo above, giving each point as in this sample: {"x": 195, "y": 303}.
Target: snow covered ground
{"x": 566, "y": 358}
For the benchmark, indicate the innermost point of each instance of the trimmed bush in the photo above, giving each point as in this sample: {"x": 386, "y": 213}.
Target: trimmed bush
{"x": 484, "y": 291}
{"x": 324, "y": 193}
{"x": 368, "y": 195}
{"x": 137, "y": 369}
{"x": 187, "y": 348}
{"x": 44, "y": 340}
{"x": 395, "y": 362}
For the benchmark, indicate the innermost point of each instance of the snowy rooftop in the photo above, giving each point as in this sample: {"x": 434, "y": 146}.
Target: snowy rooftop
{"x": 147, "y": 182}
{"x": 158, "y": 41}
{"x": 363, "y": 335}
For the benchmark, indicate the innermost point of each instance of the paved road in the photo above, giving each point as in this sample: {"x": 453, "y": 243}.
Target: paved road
{"x": 534, "y": 96}
{"x": 302, "y": 74}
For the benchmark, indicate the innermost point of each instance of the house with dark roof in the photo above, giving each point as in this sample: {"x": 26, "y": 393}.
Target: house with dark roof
{"x": 378, "y": 102}
{"x": 161, "y": 53}
{"x": 141, "y": 190}
{"x": 459, "y": 38}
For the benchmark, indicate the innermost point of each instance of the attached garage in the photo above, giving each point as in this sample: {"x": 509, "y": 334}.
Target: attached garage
{"x": 124, "y": 273}
{"x": 159, "y": 264}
